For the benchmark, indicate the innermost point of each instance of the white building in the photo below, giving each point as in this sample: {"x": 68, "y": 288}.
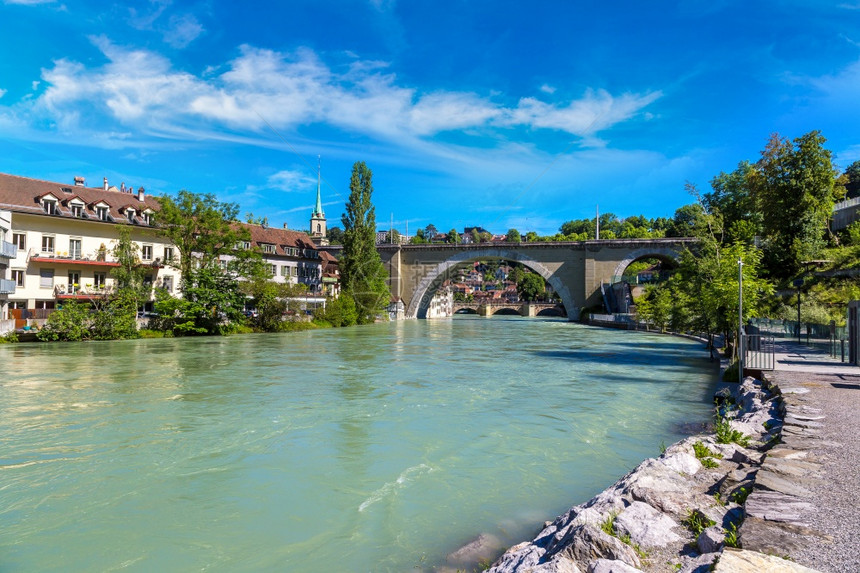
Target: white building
{"x": 64, "y": 236}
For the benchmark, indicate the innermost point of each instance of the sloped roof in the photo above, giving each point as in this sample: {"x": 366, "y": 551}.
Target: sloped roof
{"x": 22, "y": 194}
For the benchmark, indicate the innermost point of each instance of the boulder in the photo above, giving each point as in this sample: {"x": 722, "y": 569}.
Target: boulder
{"x": 711, "y": 539}
{"x": 589, "y": 543}
{"x": 608, "y": 566}
{"x": 646, "y": 526}
{"x": 742, "y": 561}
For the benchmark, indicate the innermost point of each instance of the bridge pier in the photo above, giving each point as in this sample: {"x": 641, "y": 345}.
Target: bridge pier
{"x": 485, "y": 310}
{"x": 528, "y": 309}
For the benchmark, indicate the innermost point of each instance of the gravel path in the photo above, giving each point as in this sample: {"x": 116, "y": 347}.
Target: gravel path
{"x": 835, "y": 390}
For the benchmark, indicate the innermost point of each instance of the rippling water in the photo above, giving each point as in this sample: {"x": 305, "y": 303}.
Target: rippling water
{"x": 378, "y": 448}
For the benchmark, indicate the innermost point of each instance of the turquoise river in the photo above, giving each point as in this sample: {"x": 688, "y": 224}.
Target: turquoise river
{"x": 378, "y": 448}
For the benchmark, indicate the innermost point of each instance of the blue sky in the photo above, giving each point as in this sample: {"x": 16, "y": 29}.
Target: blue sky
{"x": 495, "y": 113}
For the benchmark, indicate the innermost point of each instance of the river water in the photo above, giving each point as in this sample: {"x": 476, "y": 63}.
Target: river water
{"x": 379, "y": 448}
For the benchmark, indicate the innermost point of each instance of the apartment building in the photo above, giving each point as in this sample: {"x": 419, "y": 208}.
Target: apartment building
{"x": 289, "y": 256}
{"x": 64, "y": 236}
{"x": 8, "y": 251}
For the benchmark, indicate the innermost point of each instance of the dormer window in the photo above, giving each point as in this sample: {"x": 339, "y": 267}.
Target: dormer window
{"x": 102, "y": 213}
{"x": 147, "y": 217}
{"x": 269, "y": 249}
{"x": 77, "y": 209}
{"x": 49, "y": 204}
{"x": 129, "y": 213}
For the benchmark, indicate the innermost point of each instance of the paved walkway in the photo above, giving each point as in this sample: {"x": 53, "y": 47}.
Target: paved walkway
{"x": 822, "y": 396}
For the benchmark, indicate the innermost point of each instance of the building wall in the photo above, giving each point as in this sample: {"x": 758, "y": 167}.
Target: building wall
{"x": 95, "y": 238}
{"x": 5, "y": 269}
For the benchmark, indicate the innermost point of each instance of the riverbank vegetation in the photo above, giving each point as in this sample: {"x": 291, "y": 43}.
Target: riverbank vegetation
{"x": 773, "y": 215}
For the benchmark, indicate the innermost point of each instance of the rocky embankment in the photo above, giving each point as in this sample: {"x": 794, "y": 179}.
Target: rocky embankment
{"x": 683, "y": 511}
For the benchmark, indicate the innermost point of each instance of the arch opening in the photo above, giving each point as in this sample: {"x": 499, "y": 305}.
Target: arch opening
{"x": 433, "y": 280}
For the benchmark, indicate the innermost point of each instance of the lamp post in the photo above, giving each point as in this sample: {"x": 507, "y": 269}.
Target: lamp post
{"x": 740, "y": 320}
{"x": 798, "y": 283}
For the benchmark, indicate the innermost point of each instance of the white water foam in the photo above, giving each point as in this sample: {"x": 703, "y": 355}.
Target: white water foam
{"x": 389, "y": 488}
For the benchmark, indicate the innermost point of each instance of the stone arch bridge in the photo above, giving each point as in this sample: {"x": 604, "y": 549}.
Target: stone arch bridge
{"x": 575, "y": 270}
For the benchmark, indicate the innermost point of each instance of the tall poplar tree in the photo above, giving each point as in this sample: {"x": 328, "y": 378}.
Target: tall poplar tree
{"x": 362, "y": 272}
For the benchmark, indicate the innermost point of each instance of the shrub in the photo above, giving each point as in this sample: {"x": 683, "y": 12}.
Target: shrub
{"x": 697, "y": 522}
{"x": 727, "y": 435}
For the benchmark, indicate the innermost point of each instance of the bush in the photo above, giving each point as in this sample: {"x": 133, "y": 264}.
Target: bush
{"x": 70, "y": 323}
{"x": 9, "y": 338}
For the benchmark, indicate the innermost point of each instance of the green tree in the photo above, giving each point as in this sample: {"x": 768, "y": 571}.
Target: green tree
{"x": 335, "y": 235}
{"x": 201, "y": 225}
{"x": 795, "y": 183}
{"x": 513, "y": 236}
{"x": 532, "y": 237}
{"x": 212, "y": 303}
{"x": 453, "y": 237}
{"x": 340, "y": 311}
{"x": 116, "y": 315}
{"x": 362, "y": 273}
{"x": 531, "y": 287}
{"x": 852, "y": 180}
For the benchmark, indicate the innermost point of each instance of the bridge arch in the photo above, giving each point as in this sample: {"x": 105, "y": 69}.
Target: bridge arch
{"x": 666, "y": 254}
{"x": 433, "y": 278}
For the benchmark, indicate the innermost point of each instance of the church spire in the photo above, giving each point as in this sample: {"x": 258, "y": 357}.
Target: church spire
{"x": 318, "y": 210}
{"x": 318, "y": 224}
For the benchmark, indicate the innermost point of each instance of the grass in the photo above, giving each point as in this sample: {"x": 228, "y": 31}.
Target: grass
{"x": 732, "y": 536}
{"x": 741, "y": 495}
{"x": 608, "y": 527}
{"x": 706, "y": 456}
{"x": 697, "y": 522}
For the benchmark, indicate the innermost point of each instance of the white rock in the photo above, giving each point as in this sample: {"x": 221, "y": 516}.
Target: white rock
{"x": 646, "y": 526}
{"x": 610, "y": 566}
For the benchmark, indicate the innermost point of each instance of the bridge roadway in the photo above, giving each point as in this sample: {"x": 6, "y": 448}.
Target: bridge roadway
{"x": 575, "y": 270}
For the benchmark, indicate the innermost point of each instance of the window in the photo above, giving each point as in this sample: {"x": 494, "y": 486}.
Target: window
{"x": 75, "y": 248}
{"x": 146, "y": 252}
{"x": 273, "y": 270}
{"x": 77, "y": 210}
{"x": 167, "y": 283}
{"x": 168, "y": 254}
{"x": 48, "y": 244}
{"x": 50, "y": 206}
{"x": 99, "y": 280}
{"x": 102, "y": 213}
{"x": 147, "y": 217}
{"x": 223, "y": 264}
{"x": 267, "y": 248}
{"x": 129, "y": 213}
{"x": 18, "y": 278}
{"x": 285, "y": 271}
{"x": 46, "y": 278}
{"x": 295, "y": 271}
{"x": 20, "y": 240}
{"x": 243, "y": 245}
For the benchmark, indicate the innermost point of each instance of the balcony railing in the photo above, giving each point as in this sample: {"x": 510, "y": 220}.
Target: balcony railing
{"x": 8, "y": 250}
{"x": 7, "y": 286}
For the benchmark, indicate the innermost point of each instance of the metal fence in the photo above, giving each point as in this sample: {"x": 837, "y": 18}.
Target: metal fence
{"x": 759, "y": 351}
{"x": 827, "y": 337}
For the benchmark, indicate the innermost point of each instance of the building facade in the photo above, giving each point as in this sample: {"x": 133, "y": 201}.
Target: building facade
{"x": 64, "y": 236}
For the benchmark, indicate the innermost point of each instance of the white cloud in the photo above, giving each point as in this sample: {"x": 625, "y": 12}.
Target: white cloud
{"x": 2, "y": 93}
{"x": 290, "y": 181}
{"x": 142, "y": 92}
{"x": 182, "y": 30}
{"x": 547, "y": 89}
{"x": 28, "y": 2}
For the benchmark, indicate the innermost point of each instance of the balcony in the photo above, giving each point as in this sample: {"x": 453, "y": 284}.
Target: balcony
{"x": 79, "y": 292}
{"x": 8, "y": 250}
{"x": 7, "y": 286}
{"x": 58, "y": 257}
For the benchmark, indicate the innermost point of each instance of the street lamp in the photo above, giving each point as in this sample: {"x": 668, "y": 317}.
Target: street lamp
{"x": 740, "y": 320}
{"x": 798, "y": 283}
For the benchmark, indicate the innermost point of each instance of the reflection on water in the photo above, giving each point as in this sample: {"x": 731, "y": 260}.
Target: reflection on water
{"x": 392, "y": 443}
